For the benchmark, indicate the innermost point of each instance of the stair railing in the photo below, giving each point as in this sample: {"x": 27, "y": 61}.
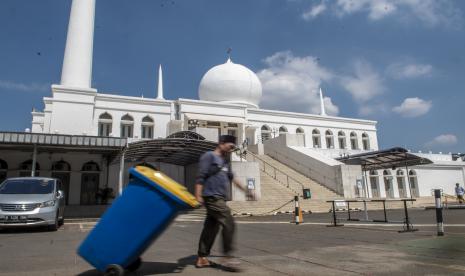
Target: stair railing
{"x": 274, "y": 172}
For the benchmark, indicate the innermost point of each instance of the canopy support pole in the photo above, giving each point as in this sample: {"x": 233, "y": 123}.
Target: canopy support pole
{"x": 34, "y": 161}
{"x": 121, "y": 172}
{"x": 408, "y": 179}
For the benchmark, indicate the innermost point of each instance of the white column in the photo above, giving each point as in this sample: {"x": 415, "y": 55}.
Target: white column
{"x": 77, "y": 62}
{"x": 160, "y": 84}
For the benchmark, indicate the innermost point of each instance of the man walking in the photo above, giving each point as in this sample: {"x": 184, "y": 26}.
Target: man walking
{"x": 459, "y": 192}
{"x": 211, "y": 189}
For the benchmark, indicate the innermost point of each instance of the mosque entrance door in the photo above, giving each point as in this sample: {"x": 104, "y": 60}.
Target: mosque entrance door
{"x": 374, "y": 187}
{"x": 401, "y": 186}
{"x": 89, "y": 188}
{"x": 388, "y": 187}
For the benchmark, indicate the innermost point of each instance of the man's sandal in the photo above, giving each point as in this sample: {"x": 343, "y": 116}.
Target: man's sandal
{"x": 202, "y": 262}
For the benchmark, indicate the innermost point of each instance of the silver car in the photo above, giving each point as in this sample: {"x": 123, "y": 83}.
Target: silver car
{"x": 31, "y": 201}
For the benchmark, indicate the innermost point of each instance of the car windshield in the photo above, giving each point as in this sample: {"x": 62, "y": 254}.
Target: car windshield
{"x": 27, "y": 186}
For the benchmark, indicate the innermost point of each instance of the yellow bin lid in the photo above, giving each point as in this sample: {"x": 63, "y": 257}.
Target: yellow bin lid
{"x": 169, "y": 185}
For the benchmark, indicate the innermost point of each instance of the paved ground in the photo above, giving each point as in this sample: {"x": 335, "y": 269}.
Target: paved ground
{"x": 266, "y": 246}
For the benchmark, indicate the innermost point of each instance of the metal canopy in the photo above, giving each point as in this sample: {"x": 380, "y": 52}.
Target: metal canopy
{"x": 177, "y": 151}
{"x": 25, "y": 141}
{"x": 385, "y": 159}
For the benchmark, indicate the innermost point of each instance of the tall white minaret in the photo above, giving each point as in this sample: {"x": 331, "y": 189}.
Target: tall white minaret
{"x": 77, "y": 62}
{"x": 322, "y": 104}
{"x": 160, "y": 84}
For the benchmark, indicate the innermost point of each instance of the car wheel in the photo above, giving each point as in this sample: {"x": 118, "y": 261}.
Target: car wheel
{"x": 134, "y": 265}
{"x": 114, "y": 270}
{"x": 55, "y": 226}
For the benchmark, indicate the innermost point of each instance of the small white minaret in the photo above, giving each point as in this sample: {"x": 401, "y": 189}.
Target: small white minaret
{"x": 77, "y": 62}
{"x": 322, "y": 104}
{"x": 160, "y": 84}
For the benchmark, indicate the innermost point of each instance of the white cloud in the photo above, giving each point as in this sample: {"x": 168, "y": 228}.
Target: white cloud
{"x": 314, "y": 11}
{"x": 365, "y": 84}
{"x": 292, "y": 83}
{"x": 32, "y": 87}
{"x": 413, "y": 107}
{"x": 430, "y": 12}
{"x": 409, "y": 70}
{"x": 442, "y": 140}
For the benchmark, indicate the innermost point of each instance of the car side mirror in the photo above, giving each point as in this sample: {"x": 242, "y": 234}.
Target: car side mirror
{"x": 60, "y": 194}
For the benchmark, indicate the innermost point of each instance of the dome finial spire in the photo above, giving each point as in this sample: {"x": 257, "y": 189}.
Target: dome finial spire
{"x": 229, "y": 54}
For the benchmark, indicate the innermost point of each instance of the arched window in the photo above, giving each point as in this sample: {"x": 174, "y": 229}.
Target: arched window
{"x": 61, "y": 166}
{"x": 341, "y": 137}
{"x": 3, "y": 165}
{"x": 147, "y": 128}
{"x": 353, "y": 141}
{"x": 329, "y": 139}
{"x": 26, "y": 168}
{"x": 105, "y": 123}
{"x": 299, "y": 131}
{"x": 3, "y": 170}
{"x": 401, "y": 183}
{"x": 374, "y": 184}
{"x": 365, "y": 141}
{"x": 316, "y": 137}
{"x": 90, "y": 166}
{"x": 266, "y": 133}
{"x": 127, "y": 126}
{"x": 388, "y": 183}
{"x": 412, "y": 175}
{"x": 282, "y": 130}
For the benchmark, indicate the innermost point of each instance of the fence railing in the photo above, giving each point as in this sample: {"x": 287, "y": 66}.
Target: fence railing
{"x": 282, "y": 177}
{"x": 449, "y": 199}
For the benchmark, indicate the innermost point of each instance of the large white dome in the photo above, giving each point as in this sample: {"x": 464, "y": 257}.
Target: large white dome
{"x": 231, "y": 83}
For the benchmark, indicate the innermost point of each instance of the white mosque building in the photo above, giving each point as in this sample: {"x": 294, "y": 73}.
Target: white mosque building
{"x": 229, "y": 99}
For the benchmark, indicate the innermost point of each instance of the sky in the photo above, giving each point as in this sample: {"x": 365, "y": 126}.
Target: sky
{"x": 399, "y": 62}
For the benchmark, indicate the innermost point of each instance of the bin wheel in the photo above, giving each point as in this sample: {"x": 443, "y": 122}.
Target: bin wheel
{"x": 114, "y": 270}
{"x": 135, "y": 265}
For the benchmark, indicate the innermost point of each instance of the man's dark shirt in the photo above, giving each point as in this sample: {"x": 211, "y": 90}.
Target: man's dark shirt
{"x": 217, "y": 184}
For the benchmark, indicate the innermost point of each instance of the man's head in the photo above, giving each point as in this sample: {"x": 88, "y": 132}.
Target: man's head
{"x": 226, "y": 143}
{"x": 457, "y": 184}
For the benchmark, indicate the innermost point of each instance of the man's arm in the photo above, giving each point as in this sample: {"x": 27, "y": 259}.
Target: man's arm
{"x": 198, "y": 192}
{"x": 204, "y": 167}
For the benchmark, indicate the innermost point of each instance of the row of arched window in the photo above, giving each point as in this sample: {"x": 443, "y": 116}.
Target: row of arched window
{"x": 328, "y": 138}
{"x": 90, "y": 174}
{"x": 105, "y": 126}
{"x": 56, "y": 166}
{"x": 402, "y": 183}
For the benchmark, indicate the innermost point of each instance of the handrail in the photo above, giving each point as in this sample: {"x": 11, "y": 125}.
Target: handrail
{"x": 254, "y": 156}
{"x": 312, "y": 171}
{"x": 446, "y": 196}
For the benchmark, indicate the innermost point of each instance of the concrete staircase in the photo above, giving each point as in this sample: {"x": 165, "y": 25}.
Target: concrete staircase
{"x": 279, "y": 185}
{"x": 318, "y": 191}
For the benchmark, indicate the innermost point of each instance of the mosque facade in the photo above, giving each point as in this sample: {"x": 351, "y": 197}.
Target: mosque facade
{"x": 229, "y": 99}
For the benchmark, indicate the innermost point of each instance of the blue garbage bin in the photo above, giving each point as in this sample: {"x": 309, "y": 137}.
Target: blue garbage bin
{"x": 135, "y": 219}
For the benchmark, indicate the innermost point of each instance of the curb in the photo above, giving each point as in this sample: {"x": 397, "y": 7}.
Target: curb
{"x": 291, "y": 212}
{"x": 344, "y": 209}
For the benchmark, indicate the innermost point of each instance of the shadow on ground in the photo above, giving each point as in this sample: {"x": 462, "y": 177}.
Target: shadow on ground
{"x": 151, "y": 268}
{"x": 22, "y": 230}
